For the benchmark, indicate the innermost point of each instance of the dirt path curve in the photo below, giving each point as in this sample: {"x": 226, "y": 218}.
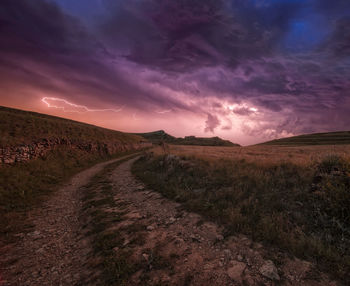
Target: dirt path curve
{"x": 54, "y": 253}
{"x": 176, "y": 247}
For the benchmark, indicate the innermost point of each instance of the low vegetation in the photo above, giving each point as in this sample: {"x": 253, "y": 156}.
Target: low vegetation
{"x": 298, "y": 202}
{"x": 25, "y": 185}
{"x": 330, "y": 138}
{"x": 23, "y": 127}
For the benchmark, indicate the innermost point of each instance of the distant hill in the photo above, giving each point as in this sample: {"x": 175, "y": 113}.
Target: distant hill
{"x": 158, "y": 136}
{"x": 22, "y": 127}
{"x": 330, "y": 138}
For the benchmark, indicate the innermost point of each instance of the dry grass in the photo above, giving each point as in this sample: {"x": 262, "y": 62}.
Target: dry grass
{"x": 23, "y": 127}
{"x": 264, "y": 155}
{"x": 294, "y": 198}
{"x": 27, "y": 185}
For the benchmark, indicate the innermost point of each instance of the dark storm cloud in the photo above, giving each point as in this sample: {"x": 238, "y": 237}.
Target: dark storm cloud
{"x": 340, "y": 7}
{"x": 41, "y": 31}
{"x": 186, "y": 34}
{"x": 194, "y": 55}
{"x": 41, "y": 45}
{"x": 339, "y": 43}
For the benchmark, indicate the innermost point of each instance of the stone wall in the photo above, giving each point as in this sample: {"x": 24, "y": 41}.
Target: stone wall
{"x": 22, "y": 153}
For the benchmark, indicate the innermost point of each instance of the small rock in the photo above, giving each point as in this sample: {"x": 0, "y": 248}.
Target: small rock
{"x": 179, "y": 240}
{"x": 134, "y": 215}
{"x": 299, "y": 203}
{"x": 249, "y": 280}
{"x": 150, "y": 228}
{"x": 249, "y": 262}
{"x": 35, "y": 233}
{"x": 194, "y": 238}
{"x": 145, "y": 257}
{"x": 21, "y": 235}
{"x": 235, "y": 272}
{"x": 172, "y": 220}
{"x": 239, "y": 257}
{"x": 198, "y": 191}
{"x": 219, "y": 237}
{"x": 269, "y": 270}
{"x": 139, "y": 188}
{"x": 40, "y": 251}
{"x": 227, "y": 254}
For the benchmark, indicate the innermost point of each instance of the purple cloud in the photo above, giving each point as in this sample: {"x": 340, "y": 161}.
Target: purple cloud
{"x": 226, "y": 62}
{"x": 211, "y": 123}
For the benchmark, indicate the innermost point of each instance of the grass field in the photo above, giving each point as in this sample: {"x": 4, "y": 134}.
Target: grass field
{"x": 293, "y": 198}
{"x": 21, "y": 127}
{"x": 330, "y": 138}
{"x": 300, "y": 155}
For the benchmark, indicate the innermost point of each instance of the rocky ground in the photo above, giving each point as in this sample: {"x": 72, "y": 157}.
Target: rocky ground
{"x": 174, "y": 247}
{"x": 54, "y": 252}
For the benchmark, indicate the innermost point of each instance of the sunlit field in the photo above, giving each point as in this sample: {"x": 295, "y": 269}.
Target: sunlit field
{"x": 301, "y": 155}
{"x": 293, "y": 198}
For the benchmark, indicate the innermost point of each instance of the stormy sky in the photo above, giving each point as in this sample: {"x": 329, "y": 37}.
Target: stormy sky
{"x": 244, "y": 70}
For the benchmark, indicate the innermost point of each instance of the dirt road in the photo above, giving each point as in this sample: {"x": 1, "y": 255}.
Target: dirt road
{"x": 54, "y": 252}
{"x": 168, "y": 245}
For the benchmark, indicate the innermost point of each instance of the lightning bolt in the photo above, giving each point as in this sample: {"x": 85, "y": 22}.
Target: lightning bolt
{"x": 78, "y": 108}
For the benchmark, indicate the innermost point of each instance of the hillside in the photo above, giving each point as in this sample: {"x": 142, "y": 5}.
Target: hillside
{"x": 158, "y": 136}
{"x": 39, "y": 152}
{"x": 330, "y": 138}
{"x": 23, "y": 127}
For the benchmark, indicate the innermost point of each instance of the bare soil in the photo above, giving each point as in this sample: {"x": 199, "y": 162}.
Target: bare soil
{"x": 54, "y": 252}
{"x": 173, "y": 246}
